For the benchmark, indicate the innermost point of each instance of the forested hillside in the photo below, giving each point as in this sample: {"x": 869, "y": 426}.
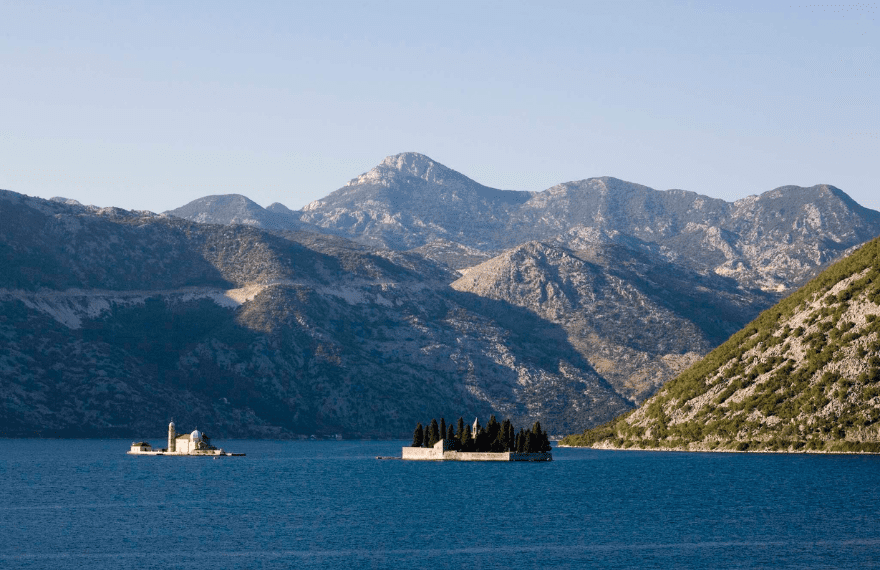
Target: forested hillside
{"x": 805, "y": 375}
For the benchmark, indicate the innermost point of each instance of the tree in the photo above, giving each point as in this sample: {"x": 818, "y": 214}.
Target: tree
{"x": 434, "y": 433}
{"x": 521, "y": 441}
{"x": 504, "y": 435}
{"x": 541, "y": 442}
{"x": 481, "y": 441}
{"x": 460, "y": 431}
{"x": 450, "y": 437}
{"x": 467, "y": 442}
{"x": 418, "y": 436}
{"x": 442, "y": 428}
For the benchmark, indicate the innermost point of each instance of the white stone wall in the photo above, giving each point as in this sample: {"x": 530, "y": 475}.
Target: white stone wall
{"x": 437, "y": 453}
{"x": 425, "y": 453}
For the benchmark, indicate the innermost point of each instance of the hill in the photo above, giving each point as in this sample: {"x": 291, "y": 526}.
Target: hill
{"x": 805, "y": 375}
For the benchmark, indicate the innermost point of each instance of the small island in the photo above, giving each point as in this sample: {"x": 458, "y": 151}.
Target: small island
{"x": 189, "y": 444}
{"x": 495, "y": 442}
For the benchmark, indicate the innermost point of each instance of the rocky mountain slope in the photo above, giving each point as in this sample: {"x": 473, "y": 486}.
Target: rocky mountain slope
{"x": 638, "y": 319}
{"x": 773, "y": 241}
{"x": 805, "y": 375}
{"x": 702, "y": 263}
{"x": 112, "y": 321}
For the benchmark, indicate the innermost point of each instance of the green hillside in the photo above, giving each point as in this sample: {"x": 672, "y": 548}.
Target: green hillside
{"x": 803, "y": 376}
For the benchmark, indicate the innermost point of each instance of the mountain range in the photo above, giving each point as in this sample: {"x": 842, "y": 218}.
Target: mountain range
{"x": 412, "y": 290}
{"x": 773, "y": 241}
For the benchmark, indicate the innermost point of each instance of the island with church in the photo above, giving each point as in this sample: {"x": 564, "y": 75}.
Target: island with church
{"x": 495, "y": 442}
{"x": 183, "y": 444}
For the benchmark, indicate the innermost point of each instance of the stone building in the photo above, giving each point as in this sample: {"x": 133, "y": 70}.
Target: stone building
{"x": 195, "y": 443}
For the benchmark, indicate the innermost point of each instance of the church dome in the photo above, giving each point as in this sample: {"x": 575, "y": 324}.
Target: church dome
{"x": 196, "y": 435}
{"x": 171, "y": 425}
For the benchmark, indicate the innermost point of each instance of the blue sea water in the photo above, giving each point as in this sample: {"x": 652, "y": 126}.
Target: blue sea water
{"x": 86, "y": 504}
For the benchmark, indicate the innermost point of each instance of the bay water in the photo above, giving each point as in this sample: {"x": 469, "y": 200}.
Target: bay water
{"x": 332, "y": 504}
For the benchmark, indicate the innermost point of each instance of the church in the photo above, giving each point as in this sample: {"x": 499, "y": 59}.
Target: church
{"x": 195, "y": 443}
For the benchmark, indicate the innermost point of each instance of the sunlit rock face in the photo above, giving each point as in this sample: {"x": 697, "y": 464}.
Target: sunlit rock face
{"x": 773, "y": 241}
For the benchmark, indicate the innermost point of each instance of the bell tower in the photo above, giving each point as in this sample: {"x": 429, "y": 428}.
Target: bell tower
{"x": 172, "y": 438}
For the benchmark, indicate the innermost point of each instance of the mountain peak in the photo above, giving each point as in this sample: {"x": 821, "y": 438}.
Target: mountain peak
{"x": 407, "y": 165}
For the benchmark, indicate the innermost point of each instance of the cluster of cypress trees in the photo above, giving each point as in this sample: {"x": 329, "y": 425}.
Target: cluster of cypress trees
{"x": 497, "y": 437}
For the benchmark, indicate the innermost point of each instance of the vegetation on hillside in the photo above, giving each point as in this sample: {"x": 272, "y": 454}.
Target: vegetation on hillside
{"x": 804, "y": 375}
{"x": 495, "y": 437}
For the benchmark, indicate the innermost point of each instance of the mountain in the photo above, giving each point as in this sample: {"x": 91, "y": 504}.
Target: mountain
{"x": 805, "y": 375}
{"x": 412, "y": 290}
{"x": 409, "y": 200}
{"x": 638, "y": 319}
{"x": 114, "y": 321}
{"x": 704, "y": 263}
{"x": 237, "y": 209}
{"x": 774, "y": 241}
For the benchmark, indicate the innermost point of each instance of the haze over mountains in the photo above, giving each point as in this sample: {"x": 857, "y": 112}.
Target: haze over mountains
{"x": 411, "y": 290}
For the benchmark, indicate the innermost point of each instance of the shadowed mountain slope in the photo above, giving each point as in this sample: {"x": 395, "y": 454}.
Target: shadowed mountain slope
{"x": 113, "y": 321}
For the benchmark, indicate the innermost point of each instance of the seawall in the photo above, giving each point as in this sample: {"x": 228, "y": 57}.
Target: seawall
{"x": 440, "y": 452}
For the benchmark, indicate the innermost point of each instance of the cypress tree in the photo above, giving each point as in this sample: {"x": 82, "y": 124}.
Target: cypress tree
{"x": 460, "y": 431}
{"x": 466, "y": 440}
{"x": 492, "y": 429}
{"x": 505, "y": 435}
{"x": 542, "y": 442}
{"x": 418, "y": 436}
{"x": 482, "y": 441}
{"x": 511, "y": 437}
{"x": 442, "y": 428}
{"x": 450, "y": 437}
{"x": 435, "y": 433}
{"x": 520, "y": 441}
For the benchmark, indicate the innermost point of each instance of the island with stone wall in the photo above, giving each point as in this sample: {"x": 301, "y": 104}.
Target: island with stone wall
{"x": 495, "y": 442}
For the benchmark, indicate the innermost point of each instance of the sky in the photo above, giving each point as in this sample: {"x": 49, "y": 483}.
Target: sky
{"x": 150, "y": 105}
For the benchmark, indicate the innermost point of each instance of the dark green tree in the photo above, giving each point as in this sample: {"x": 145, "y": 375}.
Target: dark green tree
{"x": 442, "y": 428}
{"x": 418, "y": 436}
{"x": 460, "y": 431}
{"x": 433, "y": 433}
{"x": 493, "y": 428}
{"x": 524, "y": 445}
{"x": 521, "y": 441}
{"x": 504, "y": 435}
{"x": 467, "y": 442}
{"x": 542, "y": 441}
{"x": 450, "y": 437}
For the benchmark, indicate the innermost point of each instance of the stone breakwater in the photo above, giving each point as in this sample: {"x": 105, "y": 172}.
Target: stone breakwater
{"x": 440, "y": 452}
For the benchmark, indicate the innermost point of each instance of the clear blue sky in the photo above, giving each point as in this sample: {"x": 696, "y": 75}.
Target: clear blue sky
{"x": 148, "y": 105}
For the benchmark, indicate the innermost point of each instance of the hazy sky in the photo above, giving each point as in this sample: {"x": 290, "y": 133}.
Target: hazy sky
{"x": 148, "y": 105}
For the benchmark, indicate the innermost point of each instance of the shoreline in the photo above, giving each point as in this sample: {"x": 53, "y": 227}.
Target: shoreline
{"x": 681, "y": 450}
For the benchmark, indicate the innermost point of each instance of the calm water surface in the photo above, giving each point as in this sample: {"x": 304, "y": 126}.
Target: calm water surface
{"x": 78, "y": 504}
